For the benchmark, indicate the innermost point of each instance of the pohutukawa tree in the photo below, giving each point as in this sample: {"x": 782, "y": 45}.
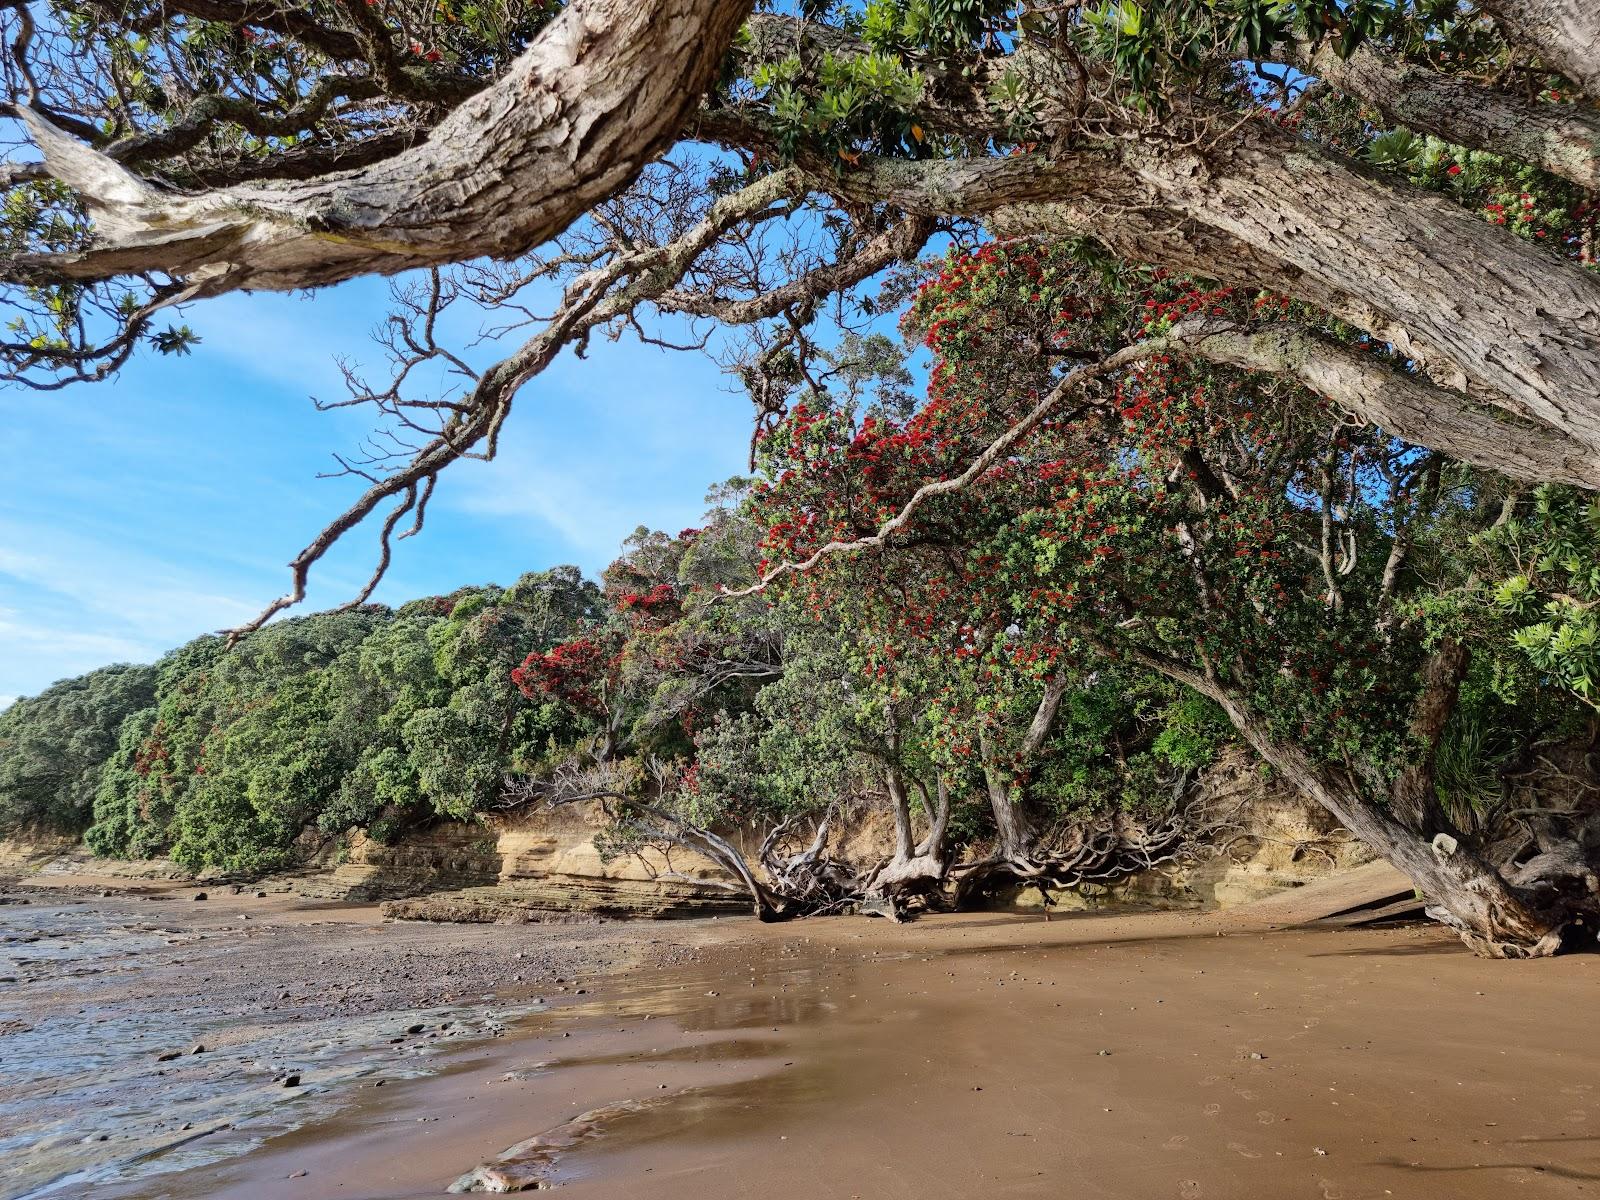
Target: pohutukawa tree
{"x": 1242, "y": 537}
{"x": 931, "y": 620}
{"x": 1415, "y": 180}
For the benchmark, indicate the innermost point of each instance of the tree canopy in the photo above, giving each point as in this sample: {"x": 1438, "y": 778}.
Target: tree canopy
{"x": 1263, "y": 339}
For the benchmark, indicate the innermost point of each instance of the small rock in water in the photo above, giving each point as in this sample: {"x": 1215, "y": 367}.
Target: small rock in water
{"x": 198, "y": 1048}
{"x": 168, "y": 1056}
{"x": 415, "y": 1028}
{"x": 291, "y": 1081}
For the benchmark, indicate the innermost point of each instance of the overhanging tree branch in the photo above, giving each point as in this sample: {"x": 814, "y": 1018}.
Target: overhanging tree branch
{"x": 1409, "y": 407}
{"x": 602, "y": 90}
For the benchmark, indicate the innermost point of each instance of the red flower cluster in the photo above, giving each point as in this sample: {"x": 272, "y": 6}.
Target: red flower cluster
{"x": 572, "y": 672}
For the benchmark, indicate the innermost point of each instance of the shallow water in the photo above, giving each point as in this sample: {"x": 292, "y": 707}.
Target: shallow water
{"x": 84, "y": 1097}
{"x": 1121, "y": 1056}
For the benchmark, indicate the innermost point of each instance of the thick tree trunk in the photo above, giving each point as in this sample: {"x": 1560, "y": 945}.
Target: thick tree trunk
{"x": 1566, "y": 34}
{"x": 916, "y": 871}
{"x": 601, "y": 91}
{"x": 1409, "y": 829}
{"x": 1519, "y": 321}
{"x": 1561, "y": 138}
{"x": 1497, "y": 318}
{"x": 1463, "y": 890}
{"x": 1404, "y": 405}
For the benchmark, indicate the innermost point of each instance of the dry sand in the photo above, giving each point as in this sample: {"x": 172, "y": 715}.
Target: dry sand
{"x": 1093, "y": 1056}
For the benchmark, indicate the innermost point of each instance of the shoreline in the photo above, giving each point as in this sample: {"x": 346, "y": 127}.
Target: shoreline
{"x": 962, "y": 1055}
{"x": 142, "y": 1028}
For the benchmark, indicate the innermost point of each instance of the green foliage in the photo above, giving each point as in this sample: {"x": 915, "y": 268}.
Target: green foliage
{"x": 1550, "y": 586}
{"x": 316, "y": 725}
{"x": 54, "y": 746}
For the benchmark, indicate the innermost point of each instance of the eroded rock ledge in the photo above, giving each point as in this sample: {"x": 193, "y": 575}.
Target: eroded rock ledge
{"x": 545, "y": 867}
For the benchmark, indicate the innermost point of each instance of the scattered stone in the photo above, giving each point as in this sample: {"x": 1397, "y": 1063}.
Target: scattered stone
{"x": 169, "y": 1055}
{"x": 201, "y": 896}
{"x": 1257, "y": 1055}
{"x": 1105, "y": 1054}
{"x": 198, "y": 1048}
{"x": 291, "y": 1081}
{"x": 261, "y": 895}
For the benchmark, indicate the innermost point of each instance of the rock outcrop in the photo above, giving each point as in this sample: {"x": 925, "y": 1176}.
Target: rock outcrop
{"x": 1272, "y": 839}
{"x": 544, "y": 866}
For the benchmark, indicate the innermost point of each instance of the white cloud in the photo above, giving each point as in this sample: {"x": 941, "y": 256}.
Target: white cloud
{"x": 291, "y": 341}
{"x": 70, "y": 603}
{"x": 23, "y": 636}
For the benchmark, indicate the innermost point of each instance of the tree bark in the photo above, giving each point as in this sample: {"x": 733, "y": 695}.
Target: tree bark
{"x": 1408, "y": 406}
{"x": 1523, "y": 323}
{"x": 1494, "y": 917}
{"x": 601, "y": 91}
{"x": 1566, "y": 34}
{"x": 1492, "y": 315}
{"x": 1556, "y": 137}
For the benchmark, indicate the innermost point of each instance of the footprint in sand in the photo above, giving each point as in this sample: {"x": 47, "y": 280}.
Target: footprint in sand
{"x": 1213, "y": 1109}
{"x": 1189, "y": 1189}
{"x": 1244, "y": 1093}
{"x": 1266, "y": 1118}
{"x": 1176, "y": 1142}
{"x": 1242, "y": 1150}
{"x": 1208, "y": 1081}
{"x": 1330, "y": 1190}
{"x": 1577, "y": 1089}
{"x": 1577, "y": 1116}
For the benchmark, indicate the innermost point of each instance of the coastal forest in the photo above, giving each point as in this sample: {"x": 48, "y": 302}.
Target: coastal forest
{"x": 1128, "y": 380}
{"x": 1086, "y": 597}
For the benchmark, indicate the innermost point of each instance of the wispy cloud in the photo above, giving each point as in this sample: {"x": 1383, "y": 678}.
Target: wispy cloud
{"x": 164, "y": 505}
{"x": 69, "y": 603}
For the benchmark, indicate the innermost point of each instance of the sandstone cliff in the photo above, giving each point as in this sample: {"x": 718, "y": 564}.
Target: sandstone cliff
{"x": 544, "y": 866}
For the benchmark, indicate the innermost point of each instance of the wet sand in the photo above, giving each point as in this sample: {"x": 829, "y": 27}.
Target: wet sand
{"x": 144, "y": 1032}
{"x": 1127, "y": 1056}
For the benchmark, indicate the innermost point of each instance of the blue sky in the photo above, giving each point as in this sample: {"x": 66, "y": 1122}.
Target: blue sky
{"x": 138, "y": 513}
